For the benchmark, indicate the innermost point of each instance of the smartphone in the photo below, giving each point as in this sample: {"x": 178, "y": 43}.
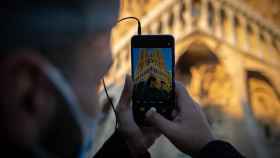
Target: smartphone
{"x": 152, "y": 60}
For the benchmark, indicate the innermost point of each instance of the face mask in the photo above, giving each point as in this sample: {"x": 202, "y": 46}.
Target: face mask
{"x": 87, "y": 123}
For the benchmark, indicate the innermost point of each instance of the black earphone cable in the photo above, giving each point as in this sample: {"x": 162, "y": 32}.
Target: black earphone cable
{"x": 112, "y": 104}
{"x": 104, "y": 85}
{"x": 138, "y": 22}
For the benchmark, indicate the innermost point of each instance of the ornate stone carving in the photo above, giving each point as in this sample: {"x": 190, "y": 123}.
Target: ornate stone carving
{"x": 235, "y": 31}
{"x": 265, "y": 104}
{"x": 206, "y": 84}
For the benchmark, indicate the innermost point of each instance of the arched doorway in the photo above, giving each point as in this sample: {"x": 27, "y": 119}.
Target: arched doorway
{"x": 265, "y": 107}
{"x": 208, "y": 82}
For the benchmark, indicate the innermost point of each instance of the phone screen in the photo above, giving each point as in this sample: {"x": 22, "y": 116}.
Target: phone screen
{"x": 153, "y": 80}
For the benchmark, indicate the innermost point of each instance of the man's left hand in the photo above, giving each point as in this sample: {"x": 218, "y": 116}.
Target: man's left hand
{"x": 138, "y": 139}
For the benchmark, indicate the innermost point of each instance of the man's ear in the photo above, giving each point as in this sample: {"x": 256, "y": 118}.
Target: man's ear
{"x": 27, "y": 97}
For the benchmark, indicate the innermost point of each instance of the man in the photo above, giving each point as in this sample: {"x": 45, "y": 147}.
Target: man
{"x": 53, "y": 56}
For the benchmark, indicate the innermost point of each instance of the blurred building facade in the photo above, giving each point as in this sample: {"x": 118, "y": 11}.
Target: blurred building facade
{"x": 228, "y": 57}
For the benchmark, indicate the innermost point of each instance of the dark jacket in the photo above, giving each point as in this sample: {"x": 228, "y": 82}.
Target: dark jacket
{"x": 117, "y": 147}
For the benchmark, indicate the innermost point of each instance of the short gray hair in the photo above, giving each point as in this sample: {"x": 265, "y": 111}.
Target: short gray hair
{"x": 53, "y": 27}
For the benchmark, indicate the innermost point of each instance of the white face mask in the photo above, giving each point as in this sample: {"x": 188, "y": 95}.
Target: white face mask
{"x": 87, "y": 123}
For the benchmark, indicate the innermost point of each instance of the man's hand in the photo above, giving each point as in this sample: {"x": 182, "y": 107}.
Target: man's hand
{"x": 189, "y": 131}
{"x": 138, "y": 139}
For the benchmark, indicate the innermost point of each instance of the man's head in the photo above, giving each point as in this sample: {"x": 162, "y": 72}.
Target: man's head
{"x": 71, "y": 35}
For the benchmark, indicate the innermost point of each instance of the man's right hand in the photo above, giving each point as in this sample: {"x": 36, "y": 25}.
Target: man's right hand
{"x": 189, "y": 131}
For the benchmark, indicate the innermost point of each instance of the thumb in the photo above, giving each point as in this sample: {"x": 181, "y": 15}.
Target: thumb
{"x": 165, "y": 126}
{"x": 126, "y": 93}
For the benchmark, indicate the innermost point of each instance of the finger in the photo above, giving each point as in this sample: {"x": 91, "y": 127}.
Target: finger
{"x": 151, "y": 138}
{"x": 165, "y": 126}
{"x": 180, "y": 89}
{"x": 151, "y": 134}
{"x": 181, "y": 94}
{"x": 175, "y": 112}
{"x": 126, "y": 93}
{"x": 151, "y": 131}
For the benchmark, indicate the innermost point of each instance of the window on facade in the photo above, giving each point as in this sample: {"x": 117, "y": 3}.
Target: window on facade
{"x": 196, "y": 8}
{"x": 249, "y": 29}
{"x": 223, "y": 21}
{"x": 236, "y": 22}
{"x": 171, "y": 20}
{"x": 262, "y": 37}
{"x": 250, "y": 35}
{"x": 183, "y": 9}
{"x": 210, "y": 14}
{"x": 237, "y": 30}
{"x": 223, "y": 16}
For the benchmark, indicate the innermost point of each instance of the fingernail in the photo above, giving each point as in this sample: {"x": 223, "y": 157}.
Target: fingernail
{"x": 151, "y": 111}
